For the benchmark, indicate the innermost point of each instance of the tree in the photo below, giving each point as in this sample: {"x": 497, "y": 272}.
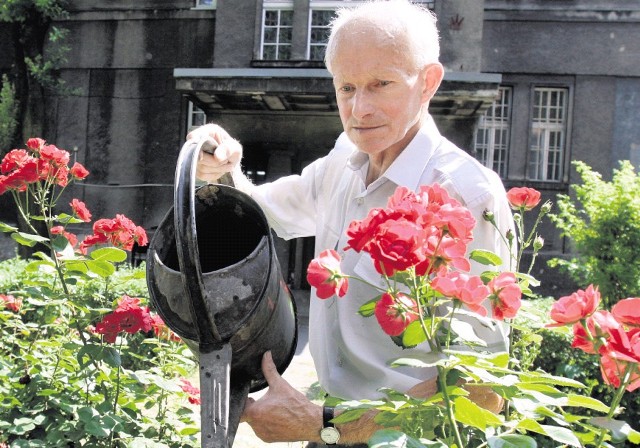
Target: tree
{"x": 33, "y": 71}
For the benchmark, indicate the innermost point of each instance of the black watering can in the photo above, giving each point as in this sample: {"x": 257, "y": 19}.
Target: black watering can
{"x": 214, "y": 278}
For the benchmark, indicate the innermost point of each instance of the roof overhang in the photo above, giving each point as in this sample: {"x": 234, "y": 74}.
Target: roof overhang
{"x": 310, "y": 91}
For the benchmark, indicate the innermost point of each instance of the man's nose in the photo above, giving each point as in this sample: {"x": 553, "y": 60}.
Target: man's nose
{"x": 362, "y": 104}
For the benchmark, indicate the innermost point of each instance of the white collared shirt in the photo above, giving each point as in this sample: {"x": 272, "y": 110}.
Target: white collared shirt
{"x": 350, "y": 352}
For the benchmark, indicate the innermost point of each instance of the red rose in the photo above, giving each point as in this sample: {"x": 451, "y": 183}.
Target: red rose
{"x": 55, "y": 156}
{"x": 571, "y": 309}
{"x": 505, "y": 296}
{"x": 121, "y": 232}
{"x": 523, "y": 198}
{"x": 361, "y": 232}
{"x": 396, "y": 246}
{"x": 325, "y": 275}
{"x": 11, "y": 303}
{"x": 109, "y": 327}
{"x": 59, "y": 230}
{"x": 443, "y": 252}
{"x": 35, "y": 143}
{"x": 192, "y": 391}
{"x": 395, "y": 314}
{"x": 78, "y": 171}
{"x": 161, "y": 330}
{"x": 599, "y": 325}
{"x": 134, "y": 320}
{"x": 621, "y": 355}
{"x": 627, "y": 311}
{"x": 80, "y": 210}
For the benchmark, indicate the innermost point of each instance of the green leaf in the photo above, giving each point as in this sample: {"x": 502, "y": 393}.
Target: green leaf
{"x": 620, "y": 431}
{"x": 111, "y": 254}
{"x": 390, "y": 438}
{"x": 562, "y": 435}
{"x": 35, "y": 266}
{"x": 430, "y": 359}
{"x": 100, "y": 267}
{"x": 77, "y": 266}
{"x": 22, "y": 425}
{"x": 7, "y": 228}
{"x": 368, "y": 308}
{"x": 65, "y": 218}
{"x": 414, "y": 334}
{"x": 511, "y": 441}
{"x": 27, "y": 239}
{"x": 587, "y": 402}
{"x": 469, "y": 413}
{"x": 485, "y": 257}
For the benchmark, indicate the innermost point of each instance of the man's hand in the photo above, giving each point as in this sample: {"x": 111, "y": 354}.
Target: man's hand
{"x": 221, "y": 153}
{"x": 282, "y": 414}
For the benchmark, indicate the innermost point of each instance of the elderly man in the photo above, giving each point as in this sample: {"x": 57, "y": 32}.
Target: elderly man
{"x": 383, "y": 57}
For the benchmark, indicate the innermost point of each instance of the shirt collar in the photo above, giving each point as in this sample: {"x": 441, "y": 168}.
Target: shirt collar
{"x": 408, "y": 167}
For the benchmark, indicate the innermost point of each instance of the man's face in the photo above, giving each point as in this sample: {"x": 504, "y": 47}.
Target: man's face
{"x": 379, "y": 94}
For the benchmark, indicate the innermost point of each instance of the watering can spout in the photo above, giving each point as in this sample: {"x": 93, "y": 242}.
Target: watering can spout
{"x": 214, "y": 278}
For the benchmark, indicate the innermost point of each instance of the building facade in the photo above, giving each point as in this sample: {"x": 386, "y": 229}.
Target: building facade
{"x": 530, "y": 85}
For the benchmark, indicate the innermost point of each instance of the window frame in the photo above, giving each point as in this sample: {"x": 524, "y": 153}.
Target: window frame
{"x": 278, "y": 6}
{"x": 213, "y": 5}
{"x": 315, "y": 6}
{"x": 193, "y": 110}
{"x": 545, "y": 130}
{"x": 492, "y": 127}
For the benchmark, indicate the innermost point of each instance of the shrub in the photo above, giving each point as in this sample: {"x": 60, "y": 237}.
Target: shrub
{"x": 603, "y": 224}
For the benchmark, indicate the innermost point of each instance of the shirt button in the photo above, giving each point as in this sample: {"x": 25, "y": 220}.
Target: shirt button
{"x": 360, "y": 201}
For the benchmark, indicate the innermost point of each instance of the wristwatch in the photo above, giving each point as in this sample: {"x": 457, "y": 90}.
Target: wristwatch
{"x": 329, "y": 433}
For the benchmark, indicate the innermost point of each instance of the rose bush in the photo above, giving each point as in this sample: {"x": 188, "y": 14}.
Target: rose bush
{"x": 84, "y": 361}
{"x": 418, "y": 243}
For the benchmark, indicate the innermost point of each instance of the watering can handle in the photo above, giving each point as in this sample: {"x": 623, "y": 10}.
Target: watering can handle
{"x": 187, "y": 244}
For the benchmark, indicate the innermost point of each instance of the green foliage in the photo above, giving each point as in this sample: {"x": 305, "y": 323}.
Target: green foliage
{"x": 553, "y": 353}
{"x": 19, "y": 10}
{"x": 603, "y": 224}
{"x": 60, "y": 385}
{"x": 8, "y": 119}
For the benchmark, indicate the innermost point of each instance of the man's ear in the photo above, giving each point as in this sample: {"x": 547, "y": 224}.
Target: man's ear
{"x": 432, "y": 77}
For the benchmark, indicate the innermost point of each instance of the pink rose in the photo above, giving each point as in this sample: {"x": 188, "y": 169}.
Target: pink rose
{"x": 523, "y": 197}
{"x": 505, "y": 296}
{"x": 571, "y": 309}
{"x": 468, "y": 289}
{"x": 325, "y": 275}
{"x": 395, "y": 314}
{"x": 627, "y": 311}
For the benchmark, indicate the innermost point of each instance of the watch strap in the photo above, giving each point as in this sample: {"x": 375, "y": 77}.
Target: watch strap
{"x": 328, "y": 412}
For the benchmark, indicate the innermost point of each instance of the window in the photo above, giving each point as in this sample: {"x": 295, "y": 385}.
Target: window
{"x": 196, "y": 117}
{"x": 277, "y": 27}
{"x": 548, "y": 134}
{"x": 491, "y": 141}
{"x": 431, "y": 4}
{"x": 206, "y": 4}
{"x": 319, "y": 32}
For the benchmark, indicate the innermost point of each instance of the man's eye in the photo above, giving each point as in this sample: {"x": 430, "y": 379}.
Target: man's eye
{"x": 346, "y": 89}
{"x": 385, "y": 83}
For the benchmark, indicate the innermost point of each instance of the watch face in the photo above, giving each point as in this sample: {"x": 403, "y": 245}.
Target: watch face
{"x": 329, "y": 435}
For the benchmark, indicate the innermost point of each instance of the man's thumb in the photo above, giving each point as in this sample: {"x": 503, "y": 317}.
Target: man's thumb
{"x": 269, "y": 369}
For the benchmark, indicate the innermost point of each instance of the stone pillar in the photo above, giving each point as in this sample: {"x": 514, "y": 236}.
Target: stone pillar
{"x": 300, "y": 30}
{"x": 280, "y": 165}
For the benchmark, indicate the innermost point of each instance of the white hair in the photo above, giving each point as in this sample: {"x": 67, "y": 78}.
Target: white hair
{"x": 409, "y": 25}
